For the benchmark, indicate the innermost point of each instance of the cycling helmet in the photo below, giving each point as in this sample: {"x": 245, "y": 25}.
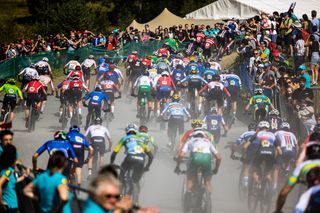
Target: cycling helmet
{"x": 112, "y": 66}
{"x": 313, "y": 150}
{"x": 45, "y": 59}
{"x": 258, "y": 91}
{"x": 32, "y": 66}
{"x": 74, "y": 128}
{"x": 131, "y": 129}
{"x": 175, "y": 97}
{"x": 264, "y": 125}
{"x": 11, "y": 81}
{"x": 134, "y": 52}
{"x": 199, "y": 133}
{"x": 75, "y": 77}
{"x": 196, "y": 123}
{"x": 274, "y": 112}
{"x": 165, "y": 73}
{"x": 98, "y": 120}
{"x": 78, "y": 67}
{"x": 98, "y": 87}
{"x": 143, "y": 128}
{"x": 60, "y": 135}
{"x": 146, "y": 73}
{"x": 313, "y": 176}
{"x": 214, "y": 110}
{"x": 215, "y": 78}
{"x": 285, "y": 126}
{"x": 162, "y": 66}
{"x": 91, "y": 57}
{"x": 252, "y": 127}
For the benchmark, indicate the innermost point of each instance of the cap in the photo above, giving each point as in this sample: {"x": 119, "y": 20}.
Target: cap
{"x": 302, "y": 67}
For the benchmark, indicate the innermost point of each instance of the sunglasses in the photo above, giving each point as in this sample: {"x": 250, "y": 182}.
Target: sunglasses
{"x": 110, "y": 196}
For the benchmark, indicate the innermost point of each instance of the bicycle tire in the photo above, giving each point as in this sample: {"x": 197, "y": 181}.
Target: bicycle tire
{"x": 252, "y": 200}
{"x": 207, "y": 202}
{"x": 30, "y": 119}
{"x": 64, "y": 121}
{"x": 242, "y": 190}
{"x": 266, "y": 195}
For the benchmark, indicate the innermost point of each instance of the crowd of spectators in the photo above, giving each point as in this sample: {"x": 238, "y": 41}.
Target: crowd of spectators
{"x": 281, "y": 52}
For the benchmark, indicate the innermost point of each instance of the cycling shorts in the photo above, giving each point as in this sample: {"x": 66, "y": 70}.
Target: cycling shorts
{"x": 200, "y": 162}
{"x": 135, "y": 163}
{"x": 286, "y": 156}
{"x": 234, "y": 92}
{"x": 216, "y": 134}
{"x": 144, "y": 91}
{"x": 111, "y": 96}
{"x": 216, "y": 95}
{"x": 250, "y": 154}
{"x": 64, "y": 97}
{"x": 194, "y": 85}
{"x": 32, "y": 98}
{"x": 175, "y": 123}
{"x": 95, "y": 109}
{"x": 9, "y": 100}
{"x": 86, "y": 73}
{"x": 75, "y": 95}
{"x": 42, "y": 95}
{"x": 264, "y": 155}
{"x": 99, "y": 145}
{"x": 163, "y": 92}
{"x": 79, "y": 151}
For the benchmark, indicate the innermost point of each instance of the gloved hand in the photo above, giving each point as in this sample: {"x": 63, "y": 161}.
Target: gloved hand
{"x": 177, "y": 170}
{"x": 146, "y": 169}
{"x": 215, "y": 171}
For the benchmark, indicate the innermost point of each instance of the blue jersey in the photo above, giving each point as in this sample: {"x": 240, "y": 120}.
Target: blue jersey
{"x": 113, "y": 76}
{"x": 96, "y": 97}
{"x": 175, "y": 110}
{"x": 177, "y": 75}
{"x": 102, "y": 69}
{"x": 54, "y": 145}
{"x": 232, "y": 80}
{"x": 202, "y": 69}
{"x": 244, "y": 137}
{"x": 207, "y": 75}
{"x": 214, "y": 122}
{"x": 264, "y": 138}
{"x": 191, "y": 66}
{"x": 9, "y": 196}
{"x": 194, "y": 78}
{"x": 77, "y": 140}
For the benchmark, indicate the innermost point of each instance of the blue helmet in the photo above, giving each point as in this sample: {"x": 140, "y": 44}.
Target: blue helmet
{"x": 74, "y": 128}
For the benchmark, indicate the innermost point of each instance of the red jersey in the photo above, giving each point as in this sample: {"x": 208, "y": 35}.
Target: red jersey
{"x": 209, "y": 43}
{"x": 76, "y": 84}
{"x": 200, "y": 37}
{"x": 108, "y": 86}
{"x": 76, "y": 72}
{"x": 163, "y": 51}
{"x": 132, "y": 58}
{"x": 165, "y": 81}
{"x": 34, "y": 86}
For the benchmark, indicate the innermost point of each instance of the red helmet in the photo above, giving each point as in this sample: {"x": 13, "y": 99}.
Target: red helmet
{"x": 78, "y": 68}
{"x": 112, "y": 66}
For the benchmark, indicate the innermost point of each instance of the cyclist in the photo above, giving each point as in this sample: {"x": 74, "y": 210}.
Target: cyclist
{"x": 86, "y": 66}
{"x": 177, "y": 75}
{"x": 97, "y": 134}
{"x": 62, "y": 92}
{"x": 60, "y": 142}
{"x": 164, "y": 87}
{"x": 147, "y": 138}
{"x": 202, "y": 153}
{"x": 233, "y": 85}
{"x": 309, "y": 201}
{"x": 289, "y": 148}
{"x": 144, "y": 86}
{"x": 308, "y": 170}
{"x": 28, "y": 74}
{"x": 96, "y": 99}
{"x": 274, "y": 119}
{"x": 77, "y": 72}
{"x": 35, "y": 91}
{"x": 43, "y": 67}
{"x": 215, "y": 93}
{"x": 12, "y": 92}
{"x": 213, "y": 123}
{"x": 114, "y": 76}
{"x": 194, "y": 82}
{"x": 214, "y": 65}
{"x": 260, "y": 103}
{"x": 208, "y": 72}
{"x": 46, "y": 81}
{"x": 136, "y": 151}
{"x": 109, "y": 87}
{"x": 121, "y": 78}
{"x": 71, "y": 65}
{"x": 267, "y": 146}
{"x": 79, "y": 144}
{"x": 75, "y": 93}
{"x": 102, "y": 68}
{"x": 176, "y": 114}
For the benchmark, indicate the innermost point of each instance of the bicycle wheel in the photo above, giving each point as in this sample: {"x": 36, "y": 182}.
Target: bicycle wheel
{"x": 242, "y": 190}
{"x": 207, "y": 202}
{"x": 253, "y": 195}
{"x": 266, "y": 195}
{"x": 30, "y": 119}
{"x": 143, "y": 112}
{"x": 64, "y": 121}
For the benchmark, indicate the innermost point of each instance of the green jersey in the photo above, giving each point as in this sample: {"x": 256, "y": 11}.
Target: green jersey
{"x": 260, "y": 102}
{"x": 147, "y": 139}
{"x": 11, "y": 90}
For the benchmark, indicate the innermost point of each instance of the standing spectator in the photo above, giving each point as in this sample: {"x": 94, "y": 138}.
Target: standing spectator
{"x": 315, "y": 59}
{"x": 305, "y": 74}
{"x": 11, "y": 51}
{"x": 306, "y": 23}
{"x": 285, "y": 31}
{"x": 299, "y": 50}
{"x": 59, "y": 43}
{"x": 100, "y": 41}
{"x": 302, "y": 93}
{"x": 158, "y": 34}
{"x": 306, "y": 114}
{"x": 180, "y": 35}
{"x": 165, "y": 33}
{"x": 6, "y": 137}
{"x": 315, "y": 21}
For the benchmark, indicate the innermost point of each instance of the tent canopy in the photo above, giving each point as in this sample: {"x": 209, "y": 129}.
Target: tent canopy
{"x": 243, "y": 9}
{"x": 168, "y": 19}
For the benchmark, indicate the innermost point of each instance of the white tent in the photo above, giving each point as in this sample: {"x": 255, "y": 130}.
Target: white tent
{"x": 242, "y": 9}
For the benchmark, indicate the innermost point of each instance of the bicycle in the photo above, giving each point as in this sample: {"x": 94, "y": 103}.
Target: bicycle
{"x": 242, "y": 189}
{"x": 64, "y": 116}
{"x": 5, "y": 117}
{"x": 75, "y": 119}
{"x": 227, "y": 113}
{"x": 163, "y": 103}
{"x": 96, "y": 153}
{"x": 194, "y": 103}
{"x": 33, "y": 117}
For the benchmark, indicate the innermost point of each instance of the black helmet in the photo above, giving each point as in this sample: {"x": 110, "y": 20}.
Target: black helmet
{"x": 98, "y": 120}
{"x": 252, "y": 127}
{"x": 313, "y": 150}
{"x": 216, "y": 78}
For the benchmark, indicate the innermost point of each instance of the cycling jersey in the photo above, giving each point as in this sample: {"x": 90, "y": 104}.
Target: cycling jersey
{"x": 215, "y": 85}
{"x": 77, "y": 84}
{"x": 175, "y": 110}
{"x": 260, "y": 102}
{"x": 108, "y": 86}
{"x": 54, "y": 145}
{"x": 96, "y": 98}
{"x": 71, "y": 65}
{"x": 133, "y": 144}
{"x": 175, "y": 61}
{"x": 147, "y": 139}
{"x": 88, "y": 63}
{"x": 78, "y": 140}
{"x": 264, "y": 138}
{"x": 194, "y": 78}
{"x": 45, "y": 80}
{"x": 309, "y": 201}
{"x": 11, "y": 90}
{"x": 64, "y": 85}
{"x": 244, "y": 137}
{"x": 232, "y": 80}
{"x": 301, "y": 171}
{"x": 189, "y": 134}
{"x": 199, "y": 145}
{"x": 29, "y": 73}
{"x": 208, "y": 73}
{"x": 214, "y": 123}
{"x": 143, "y": 81}
{"x": 34, "y": 87}
{"x": 177, "y": 75}
{"x": 43, "y": 68}
{"x": 97, "y": 131}
{"x": 275, "y": 123}
{"x": 191, "y": 66}
{"x": 76, "y": 73}
{"x": 165, "y": 81}
{"x": 132, "y": 58}
{"x": 215, "y": 65}
{"x": 102, "y": 68}
{"x": 113, "y": 76}
{"x": 288, "y": 141}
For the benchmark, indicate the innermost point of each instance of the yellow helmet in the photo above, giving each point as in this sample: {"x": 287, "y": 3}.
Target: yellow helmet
{"x": 175, "y": 97}
{"x": 11, "y": 81}
{"x": 196, "y": 123}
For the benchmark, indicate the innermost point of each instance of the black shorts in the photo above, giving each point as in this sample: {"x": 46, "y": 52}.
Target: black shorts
{"x": 95, "y": 109}
{"x": 75, "y": 95}
{"x": 64, "y": 97}
{"x": 135, "y": 163}
{"x": 268, "y": 159}
{"x": 42, "y": 95}
{"x": 251, "y": 153}
{"x": 99, "y": 145}
{"x": 216, "y": 135}
{"x": 32, "y": 98}
{"x": 194, "y": 85}
{"x": 111, "y": 96}
{"x": 286, "y": 157}
{"x": 175, "y": 123}
{"x": 86, "y": 73}
{"x": 79, "y": 151}
{"x": 234, "y": 92}
{"x": 216, "y": 95}
{"x": 9, "y": 100}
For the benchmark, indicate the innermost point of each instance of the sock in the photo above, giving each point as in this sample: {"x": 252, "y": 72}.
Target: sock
{"x": 71, "y": 114}
{"x": 112, "y": 109}
{"x": 60, "y": 113}
{"x": 42, "y": 108}
{"x": 79, "y": 110}
{"x": 158, "y": 112}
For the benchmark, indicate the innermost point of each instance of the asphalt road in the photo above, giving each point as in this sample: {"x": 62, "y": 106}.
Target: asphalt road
{"x": 160, "y": 186}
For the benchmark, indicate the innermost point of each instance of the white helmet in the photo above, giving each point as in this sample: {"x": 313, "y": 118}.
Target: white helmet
{"x": 285, "y": 125}
{"x": 91, "y": 57}
{"x": 274, "y": 112}
{"x": 165, "y": 73}
{"x": 264, "y": 124}
{"x": 45, "y": 59}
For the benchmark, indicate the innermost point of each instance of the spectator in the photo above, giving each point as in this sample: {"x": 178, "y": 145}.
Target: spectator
{"x": 299, "y": 49}
{"x": 315, "y": 59}
{"x": 6, "y": 137}
{"x": 306, "y": 23}
{"x": 315, "y": 21}
{"x": 180, "y": 35}
{"x": 302, "y": 93}
{"x": 11, "y": 51}
{"x": 306, "y": 114}
{"x": 304, "y": 73}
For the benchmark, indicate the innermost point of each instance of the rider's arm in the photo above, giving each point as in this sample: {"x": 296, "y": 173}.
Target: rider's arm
{"x": 85, "y": 87}
{"x": 150, "y": 158}
{"x": 249, "y": 104}
{"x": 52, "y": 87}
{"x": 203, "y": 89}
{"x": 1, "y": 88}
{"x": 217, "y": 156}
{"x": 19, "y": 93}
{"x": 304, "y": 200}
{"x": 226, "y": 91}
{"x": 73, "y": 154}
{"x": 107, "y": 134}
{"x": 37, "y": 154}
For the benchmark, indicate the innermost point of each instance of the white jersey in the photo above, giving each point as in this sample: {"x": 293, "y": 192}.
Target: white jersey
{"x": 71, "y": 65}
{"x": 88, "y": 63}
{"x": 287, "y": 140}
{"x": 175, "y": 62}
{"x": 43, "y": 64}
{"x": 306, "y": 197}
{"x": 119, "y": 73}
{"x": 199, "y": 145}
{"x": 45, "y": 80}
{"x": 29, "y": 72}
{"x": 215, "y": 84}
{"x": 143, "y": 81}
{"x": 98, "y": 131}
{"x": 215, "y": 66}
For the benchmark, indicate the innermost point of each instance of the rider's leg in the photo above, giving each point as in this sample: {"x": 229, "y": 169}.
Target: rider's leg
{"x": 79, "y": 104}
{"x": 78, "y": 174}
{"x": 208, "y": 184}
{"x": 11, "y": 116}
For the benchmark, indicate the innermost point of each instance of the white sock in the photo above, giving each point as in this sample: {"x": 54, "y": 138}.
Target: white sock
{"x": 60, "y": 113}
{"x": 112, "y": 109}
{"x": 79, "y": 110}
{"x": 158, "y": 112}
{"x": 70, "y": 114}
{"x": 42, "y": 108}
